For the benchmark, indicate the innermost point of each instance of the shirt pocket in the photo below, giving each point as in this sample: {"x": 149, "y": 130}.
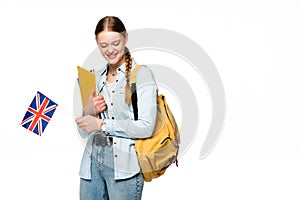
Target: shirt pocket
{"x": 121, "y": 90}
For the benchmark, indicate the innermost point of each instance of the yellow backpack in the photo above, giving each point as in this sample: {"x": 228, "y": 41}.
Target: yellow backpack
{"x": 158, "y": 152}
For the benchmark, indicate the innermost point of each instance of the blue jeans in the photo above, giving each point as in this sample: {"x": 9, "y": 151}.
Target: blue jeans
{"x": 103, "y": 186}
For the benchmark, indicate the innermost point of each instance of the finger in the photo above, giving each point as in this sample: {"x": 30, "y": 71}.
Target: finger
{"x": 83, "y": 125}
{"x": 102, "y": 104}
{"x": 78, "y": 120}
{"x": 99, "y": 104}
{"x": 98, "y": 98}
{"x": 100, "y": 107}
{"x": 92, "y": 93}
{"x": 96, "y": 103}
{"x": 81, "y": 120}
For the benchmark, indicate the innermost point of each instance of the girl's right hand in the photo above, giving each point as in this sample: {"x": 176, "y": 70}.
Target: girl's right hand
{"x": 95, "y": 105}
{"x": 89, "y": 123}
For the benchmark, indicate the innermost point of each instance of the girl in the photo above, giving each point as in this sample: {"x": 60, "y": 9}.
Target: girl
{"x": 109, "y": 167}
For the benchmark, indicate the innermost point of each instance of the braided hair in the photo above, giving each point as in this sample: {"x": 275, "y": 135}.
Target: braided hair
{"x": 128, "y": 64}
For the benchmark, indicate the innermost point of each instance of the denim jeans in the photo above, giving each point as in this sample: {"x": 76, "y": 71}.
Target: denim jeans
{"x": 103, "y": 186}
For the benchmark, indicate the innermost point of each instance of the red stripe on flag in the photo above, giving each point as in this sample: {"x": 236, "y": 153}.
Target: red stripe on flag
{"x": 39, "y": 114}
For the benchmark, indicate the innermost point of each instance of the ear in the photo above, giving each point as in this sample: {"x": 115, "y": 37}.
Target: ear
{"x": 126, "y": 37}
{"x": 96, "y": 38}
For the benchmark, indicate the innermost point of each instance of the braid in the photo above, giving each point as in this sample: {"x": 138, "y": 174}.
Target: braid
{"x": 128, "y": 63}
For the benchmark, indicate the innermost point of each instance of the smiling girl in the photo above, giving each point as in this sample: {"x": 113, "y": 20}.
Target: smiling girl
{"x": 109, "y": 167}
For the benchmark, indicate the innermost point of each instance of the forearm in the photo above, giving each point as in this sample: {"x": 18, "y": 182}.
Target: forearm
{"x": 141, "y": 128}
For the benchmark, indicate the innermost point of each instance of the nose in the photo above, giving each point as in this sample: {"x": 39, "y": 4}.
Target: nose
{"x": 110, "y": 49}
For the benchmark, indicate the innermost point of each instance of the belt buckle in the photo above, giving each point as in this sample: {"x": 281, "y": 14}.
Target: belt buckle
{"x": 100, "y": 139}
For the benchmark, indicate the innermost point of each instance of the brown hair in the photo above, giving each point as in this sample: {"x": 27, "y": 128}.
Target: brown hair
{"x": 111, "y": 23}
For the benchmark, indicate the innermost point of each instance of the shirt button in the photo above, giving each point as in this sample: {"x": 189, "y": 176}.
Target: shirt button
{"x": 113, "y": 91}
{"x": 115, "y": 142}
{"x": 116, "y": 156}
{"x": 112, "y": 118}
{"x": 119, "y": 69}
{"x": 111, "y": 104}
{"x": 117, "y": 80}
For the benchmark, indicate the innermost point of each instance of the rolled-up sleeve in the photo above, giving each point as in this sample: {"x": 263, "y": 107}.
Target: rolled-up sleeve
{"x": 147, "y": 108}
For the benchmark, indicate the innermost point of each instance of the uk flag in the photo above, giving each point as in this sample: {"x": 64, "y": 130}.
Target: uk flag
{"x": 39, "y": 113}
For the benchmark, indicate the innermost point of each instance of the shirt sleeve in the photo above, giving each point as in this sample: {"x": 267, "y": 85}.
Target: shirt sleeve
{"x": 147, "y": 109}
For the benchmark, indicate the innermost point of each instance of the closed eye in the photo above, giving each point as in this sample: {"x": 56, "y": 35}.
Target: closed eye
{"x": 103, "y": 45}
{"x": 116, "y": 43}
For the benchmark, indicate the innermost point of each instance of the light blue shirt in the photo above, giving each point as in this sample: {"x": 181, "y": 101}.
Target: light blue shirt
{"x": 121, "y": 124}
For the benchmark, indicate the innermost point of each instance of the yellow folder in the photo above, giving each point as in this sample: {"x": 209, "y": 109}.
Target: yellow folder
{"x": 87, "y": 81}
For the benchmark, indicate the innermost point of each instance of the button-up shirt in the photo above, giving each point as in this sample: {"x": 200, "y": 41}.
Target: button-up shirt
{"x": 121, "y": 124}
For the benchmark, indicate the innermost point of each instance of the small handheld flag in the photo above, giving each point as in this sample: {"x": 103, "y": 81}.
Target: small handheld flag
{"x": 39, "y": 113}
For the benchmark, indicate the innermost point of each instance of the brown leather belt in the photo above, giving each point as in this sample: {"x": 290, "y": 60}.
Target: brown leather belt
{"x": 100, "y": 139}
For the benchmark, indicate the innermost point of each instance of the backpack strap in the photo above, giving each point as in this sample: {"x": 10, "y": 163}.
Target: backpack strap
{"x": 133, "y": 90}
{"x": 134, "y": 73}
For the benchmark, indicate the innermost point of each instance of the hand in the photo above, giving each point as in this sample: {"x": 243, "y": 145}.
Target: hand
{"x": 95, "y": 105}
{"x": 89, "y": 123}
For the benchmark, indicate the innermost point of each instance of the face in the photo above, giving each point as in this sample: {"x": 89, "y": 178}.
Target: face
{"x": 112, "y": 46}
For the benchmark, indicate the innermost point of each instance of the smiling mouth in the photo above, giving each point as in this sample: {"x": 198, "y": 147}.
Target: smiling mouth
{"x": 112, "y": 56}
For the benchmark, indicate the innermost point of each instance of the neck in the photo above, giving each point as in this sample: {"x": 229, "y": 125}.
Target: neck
{"x": 112, "y": 71}
{"x": 114, "y": 67}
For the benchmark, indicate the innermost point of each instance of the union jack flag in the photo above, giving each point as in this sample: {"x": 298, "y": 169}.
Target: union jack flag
{"x": 39, "y": 114}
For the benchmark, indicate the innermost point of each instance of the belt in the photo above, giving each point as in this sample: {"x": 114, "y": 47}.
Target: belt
{"x": 100, "y": 139}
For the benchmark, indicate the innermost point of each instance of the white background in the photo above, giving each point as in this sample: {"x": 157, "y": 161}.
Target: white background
{"x": 255, "y": 47}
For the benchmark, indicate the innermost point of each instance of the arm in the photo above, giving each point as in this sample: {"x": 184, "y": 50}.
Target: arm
{"x": 147, "y": 108}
